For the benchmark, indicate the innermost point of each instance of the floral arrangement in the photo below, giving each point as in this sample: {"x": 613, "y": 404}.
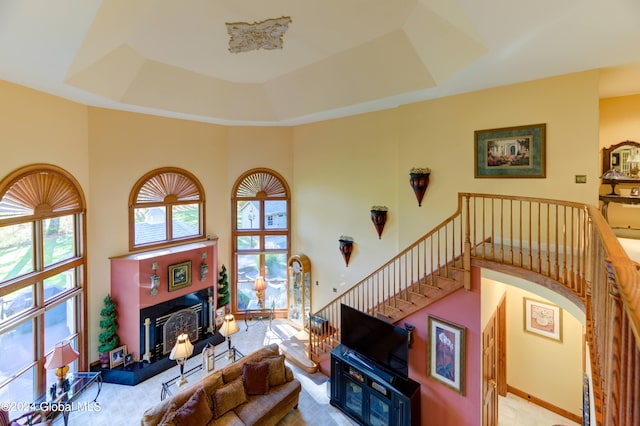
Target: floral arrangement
{"x": 345, "y": 238}
{"x": 379, "y": 208}
{"x": 420, "y": 170}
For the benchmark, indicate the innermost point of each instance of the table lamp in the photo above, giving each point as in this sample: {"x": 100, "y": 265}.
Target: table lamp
{"x": 63, "y": 355}
{"x": 229, "y": 327}
{"x": 612, "y": 176}
{"x": 180, "y": 352}
{"x": 260, "y": 286}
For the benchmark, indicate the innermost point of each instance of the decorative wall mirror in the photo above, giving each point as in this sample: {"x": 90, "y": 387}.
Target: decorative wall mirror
{"x": 623, "y": 157}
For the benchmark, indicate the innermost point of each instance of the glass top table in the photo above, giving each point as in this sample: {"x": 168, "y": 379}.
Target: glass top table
{"x": 52, "y": 403}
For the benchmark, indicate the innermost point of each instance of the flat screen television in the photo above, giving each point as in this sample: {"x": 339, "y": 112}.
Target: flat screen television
{"x": 385, "y": 344}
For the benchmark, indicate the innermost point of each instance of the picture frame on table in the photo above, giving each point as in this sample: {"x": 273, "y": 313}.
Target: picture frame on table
{"x": 543, "y": 319}
{"x": 220, "y": 313}
{"x": 116, "y": 356}
{"x": 446, "y": 358}
{"x": 179, "y": 275}
{"x": 128, "y": 359}
{"x": 209, "y": 358}
{"x": 511, "y": 152}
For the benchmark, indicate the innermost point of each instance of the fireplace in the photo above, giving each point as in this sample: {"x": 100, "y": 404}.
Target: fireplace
{"x": 162, "y": 323}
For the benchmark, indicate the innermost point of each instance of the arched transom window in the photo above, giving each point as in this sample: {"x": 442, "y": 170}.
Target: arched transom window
{"x": 42, "y": 276}
{"x": 165, "y": 206}
{"x": 261, "y": 205}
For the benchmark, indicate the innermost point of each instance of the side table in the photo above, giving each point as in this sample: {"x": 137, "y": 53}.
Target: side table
{"x": 51, "y": 405}
{"x": 259, "y": 314}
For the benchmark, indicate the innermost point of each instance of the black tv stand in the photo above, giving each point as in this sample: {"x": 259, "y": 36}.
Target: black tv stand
{"x": 369, "y": 395}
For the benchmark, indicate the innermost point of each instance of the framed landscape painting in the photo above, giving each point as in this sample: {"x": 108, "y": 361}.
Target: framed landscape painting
{"x": 543, "y": 319}
{"x": 511, "y": 152}
{"x": 179, "y": 275}
{"x": 446, "y": 353}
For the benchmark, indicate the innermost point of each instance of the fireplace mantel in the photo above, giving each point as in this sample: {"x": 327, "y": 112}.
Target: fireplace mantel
{"x": 131, "y": 285}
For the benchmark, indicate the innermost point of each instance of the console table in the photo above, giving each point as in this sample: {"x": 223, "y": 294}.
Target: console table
{"x": 259, "y": 314}
{"x": 50, "y": 404}
{"x": 621, "y": 199}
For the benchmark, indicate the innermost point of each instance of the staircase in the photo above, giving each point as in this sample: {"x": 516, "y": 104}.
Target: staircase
{"x": 567, "y": 247}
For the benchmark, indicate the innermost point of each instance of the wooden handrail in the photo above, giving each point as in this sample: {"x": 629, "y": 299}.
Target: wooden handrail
{"x": 568, "y": 245}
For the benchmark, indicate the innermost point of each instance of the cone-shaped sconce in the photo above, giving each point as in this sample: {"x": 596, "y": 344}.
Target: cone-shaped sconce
{"x": 346, "y": 246}
{"x": 379, "y": 218}
{"x": 419, "y": 180}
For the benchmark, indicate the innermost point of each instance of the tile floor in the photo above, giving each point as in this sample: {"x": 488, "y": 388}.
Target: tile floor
{"x": 124, "y": 405}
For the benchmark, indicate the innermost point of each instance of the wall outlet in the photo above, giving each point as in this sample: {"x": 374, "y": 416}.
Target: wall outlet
{"x": 581, "y": 178}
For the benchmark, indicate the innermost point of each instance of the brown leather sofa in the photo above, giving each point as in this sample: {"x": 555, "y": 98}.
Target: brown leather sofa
{"x": 258, "y": 389}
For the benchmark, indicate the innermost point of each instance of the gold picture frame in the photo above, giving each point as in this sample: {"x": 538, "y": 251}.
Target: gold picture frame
{"x": 179, "y": 275}
{"x": 446, "y": 361}
{"x": 117, "y": 355}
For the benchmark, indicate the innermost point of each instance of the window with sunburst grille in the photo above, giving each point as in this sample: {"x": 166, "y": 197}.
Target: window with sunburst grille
{"x": 42, "y": 276}
{"x": 261, "y": 205}
{"x": 166, "y": 205}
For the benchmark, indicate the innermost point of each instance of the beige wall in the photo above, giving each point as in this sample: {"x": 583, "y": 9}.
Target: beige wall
{"x": 342, "y": 167}
{"x": 620, "y": 121}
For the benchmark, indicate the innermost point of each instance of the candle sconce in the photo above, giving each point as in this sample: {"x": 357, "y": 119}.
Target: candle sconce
{"x": 419, "y": 180}
{"x": 204, "y": 268}
{"x": 410, "y": 330}
{"x": 379, "y": 218}
{"x": 346, "y": 247}
{"x": 155, "y": 279}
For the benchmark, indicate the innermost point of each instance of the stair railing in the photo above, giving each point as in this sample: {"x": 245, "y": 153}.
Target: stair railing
{"x": 566, "y": 246}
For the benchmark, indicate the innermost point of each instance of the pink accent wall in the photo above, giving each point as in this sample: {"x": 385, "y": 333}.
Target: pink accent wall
{"x": 440, "y": 405}
{"x": 131, "y": 283}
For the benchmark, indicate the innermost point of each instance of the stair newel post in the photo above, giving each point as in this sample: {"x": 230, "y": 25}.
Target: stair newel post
{"x": 466, "y": 257}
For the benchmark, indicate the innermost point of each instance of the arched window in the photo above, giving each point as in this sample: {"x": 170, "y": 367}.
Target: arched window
{"x": 165, "y": 206}
{"x": 42, "y": 276}
{"x": 261, "y": 206}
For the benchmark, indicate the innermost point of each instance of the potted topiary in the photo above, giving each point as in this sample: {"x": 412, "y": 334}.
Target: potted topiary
{"x": 223, "y": 288}
{"x": 108, "y": 338}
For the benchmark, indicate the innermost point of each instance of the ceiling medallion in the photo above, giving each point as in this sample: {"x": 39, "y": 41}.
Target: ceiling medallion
{"x": 259, "y": 35}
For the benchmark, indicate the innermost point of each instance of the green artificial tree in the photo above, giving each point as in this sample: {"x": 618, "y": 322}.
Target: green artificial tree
{"x": 223, "y": 288}
{"x": 108, "y": 338}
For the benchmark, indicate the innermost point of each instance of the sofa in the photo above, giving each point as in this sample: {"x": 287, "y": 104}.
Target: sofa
{"x": 258, "y": 389}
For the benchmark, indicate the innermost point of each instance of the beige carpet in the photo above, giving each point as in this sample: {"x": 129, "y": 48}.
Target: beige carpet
{"x": 124, "y": 405}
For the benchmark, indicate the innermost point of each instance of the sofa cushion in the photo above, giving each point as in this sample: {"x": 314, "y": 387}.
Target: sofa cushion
{"x": 233, "y": 371}
{"x": 196, "y": 411}
{"x": 268, "y": 409}
{"x": 276, "y": 369}
{"x": 228, "y": 397}
{"x": 154, "y": 414}
{"x": 255, "y": 377}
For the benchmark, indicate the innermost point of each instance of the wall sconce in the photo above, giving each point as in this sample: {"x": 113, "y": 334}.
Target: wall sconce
{"x": 346, "y": 247}
{"x": 204, "y": 268}
{"x": 419, "y": 180}
{"x": 379, "y": 218}
{"x": 260, "y": 286}
{"x": 410, "y": 330}
{"x": 155, "y": 279}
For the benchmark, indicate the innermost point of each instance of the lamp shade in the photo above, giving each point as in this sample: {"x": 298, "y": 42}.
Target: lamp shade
{"x": 259, "y": 284}
{"x": 183, "y": 348}
{"x": 613, "y": 174}
{"x": 230, "y": 326}
{"x": 63, "y": 354}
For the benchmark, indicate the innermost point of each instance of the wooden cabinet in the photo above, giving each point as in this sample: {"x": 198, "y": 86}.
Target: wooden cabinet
{"x": 371, "y": 396}
{"x": 299, "y": 291}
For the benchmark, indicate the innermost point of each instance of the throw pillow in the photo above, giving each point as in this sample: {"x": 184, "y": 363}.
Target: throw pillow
{"x": 228, "y": 397}
{"x": 195, "y": 412}
{"x": 276, "y": 369}
{"x": 166, "y": 419}
{"x": 255, "y": 377}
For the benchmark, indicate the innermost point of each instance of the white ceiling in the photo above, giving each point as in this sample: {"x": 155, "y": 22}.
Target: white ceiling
{"x": 339, "y": 57}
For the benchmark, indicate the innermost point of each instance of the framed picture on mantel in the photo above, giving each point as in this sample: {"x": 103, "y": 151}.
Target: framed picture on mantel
{"x": 179, "y": 275}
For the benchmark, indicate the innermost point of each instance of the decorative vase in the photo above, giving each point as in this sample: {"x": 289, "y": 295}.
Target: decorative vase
{"x": 346, "y": 247}
{"x": 419, "y": 181}
{"x": 379, "y": 218}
